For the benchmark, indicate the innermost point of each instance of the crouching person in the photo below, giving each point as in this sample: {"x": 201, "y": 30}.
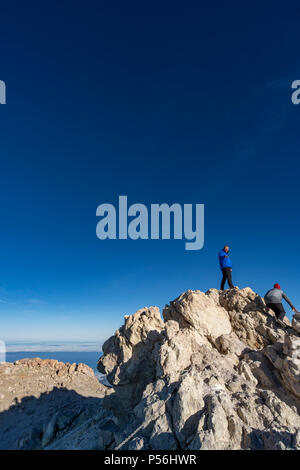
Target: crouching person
{"x": 273, "y": 299}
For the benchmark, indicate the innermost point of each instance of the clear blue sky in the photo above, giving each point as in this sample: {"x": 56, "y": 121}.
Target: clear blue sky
{"x": 162, "y": 102}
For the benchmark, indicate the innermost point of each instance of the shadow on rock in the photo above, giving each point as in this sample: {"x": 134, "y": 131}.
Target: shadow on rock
{"x": 33, "y": 423}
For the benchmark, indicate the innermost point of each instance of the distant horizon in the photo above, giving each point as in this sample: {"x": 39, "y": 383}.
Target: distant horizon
{"x": 52, "y": 346}
{"x": 164, "y": 104}
{"x": 86, "y": 344}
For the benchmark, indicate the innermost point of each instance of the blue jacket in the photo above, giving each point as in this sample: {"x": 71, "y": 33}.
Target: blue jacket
{"x": 224, "y": 262}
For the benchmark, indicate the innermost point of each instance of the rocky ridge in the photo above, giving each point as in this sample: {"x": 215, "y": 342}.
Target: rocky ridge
{"x": 217, "y": 372}
{"x": 43, "y": 400}
{"x": 222, "y": 374}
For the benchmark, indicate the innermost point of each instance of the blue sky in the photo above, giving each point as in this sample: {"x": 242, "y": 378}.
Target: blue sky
{"x": 162, "y": 103}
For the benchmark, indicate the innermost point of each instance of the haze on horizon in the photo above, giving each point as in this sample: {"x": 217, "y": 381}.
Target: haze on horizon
{"x": 164, "y": 104}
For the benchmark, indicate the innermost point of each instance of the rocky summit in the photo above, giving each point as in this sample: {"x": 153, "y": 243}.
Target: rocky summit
{"x": 217, "y": 372}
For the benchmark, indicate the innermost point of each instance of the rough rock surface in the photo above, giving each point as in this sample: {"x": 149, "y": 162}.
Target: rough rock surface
{"x": 200, "y": 311}
{"x": 296, "y": 322}
{"x": 223, "y": 374}
{"x": 41, "y": 400}
{"x": 218, "y": 373}
{"x": 128, "y": 358}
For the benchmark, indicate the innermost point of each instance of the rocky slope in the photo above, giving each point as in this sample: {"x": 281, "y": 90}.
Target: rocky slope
{"x": 217, "y": 372}
{"x": 43, "y": 400}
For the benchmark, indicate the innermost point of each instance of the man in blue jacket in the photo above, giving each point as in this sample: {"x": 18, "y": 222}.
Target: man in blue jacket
{"x": 226, "y": 267}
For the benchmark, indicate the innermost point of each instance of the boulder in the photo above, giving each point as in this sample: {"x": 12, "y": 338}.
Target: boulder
{"x": 252, "y": 324}
{"x": 128, "y": 357}
{"x": 296, "y": 322}
{"x": 286, "y": 359}
{"x": 225, "y": 375}
{"x": 196, "y": 310}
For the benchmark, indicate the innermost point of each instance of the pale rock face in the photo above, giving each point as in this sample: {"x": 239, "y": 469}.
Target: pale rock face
{"x": 286, "y": 359}
{"x": 128, "y": 358}
{"x": 225, "y": 376}
{"x": 231, "y": 346}
{"x": 186, "y": 405}
{"x": 248, "y": 317}
{"x": 174, "y": 356}
{"x": 216, "y": 436}
{"x": 195, "y": 309}
{"x": 126, "y": 354}
{"x": 296, "y": 322}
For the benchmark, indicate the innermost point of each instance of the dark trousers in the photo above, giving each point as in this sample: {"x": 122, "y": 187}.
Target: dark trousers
{"x": 278, "y": 309}
{"x": 226, "y": 277}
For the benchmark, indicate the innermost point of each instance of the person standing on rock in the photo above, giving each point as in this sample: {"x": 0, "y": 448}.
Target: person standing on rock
{"x": 273, "y": 299}
{"x": 226, "y": 267}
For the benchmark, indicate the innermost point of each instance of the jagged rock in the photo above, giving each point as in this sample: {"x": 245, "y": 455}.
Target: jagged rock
{"x": 296, "y": 322}
{"x": 225, "y": 375}
{"x": 136, "y": 444}
{"x": 128, "y": 358}
{"x": 49, "y": 431}
{"x": 105, "y": 439}
{"x": 231, "y": 346}
{"x": 42, "y": 399}
{"x": 186, "y": 405}
{"x": 199, "y": 311}
{"x": 173, "y": 356}
{"x": 218, "y": 373}
{"x": 37, "y": 376}
{"x": 286, "y": 359}
{"x": 248, "y": 317}
{"x": 126, "y": 354}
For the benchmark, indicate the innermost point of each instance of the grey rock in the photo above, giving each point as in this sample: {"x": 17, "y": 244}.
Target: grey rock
{"x": 225, "y": 375}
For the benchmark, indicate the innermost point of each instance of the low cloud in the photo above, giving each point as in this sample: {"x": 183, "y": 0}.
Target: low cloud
{"x": 53, "y": 347}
